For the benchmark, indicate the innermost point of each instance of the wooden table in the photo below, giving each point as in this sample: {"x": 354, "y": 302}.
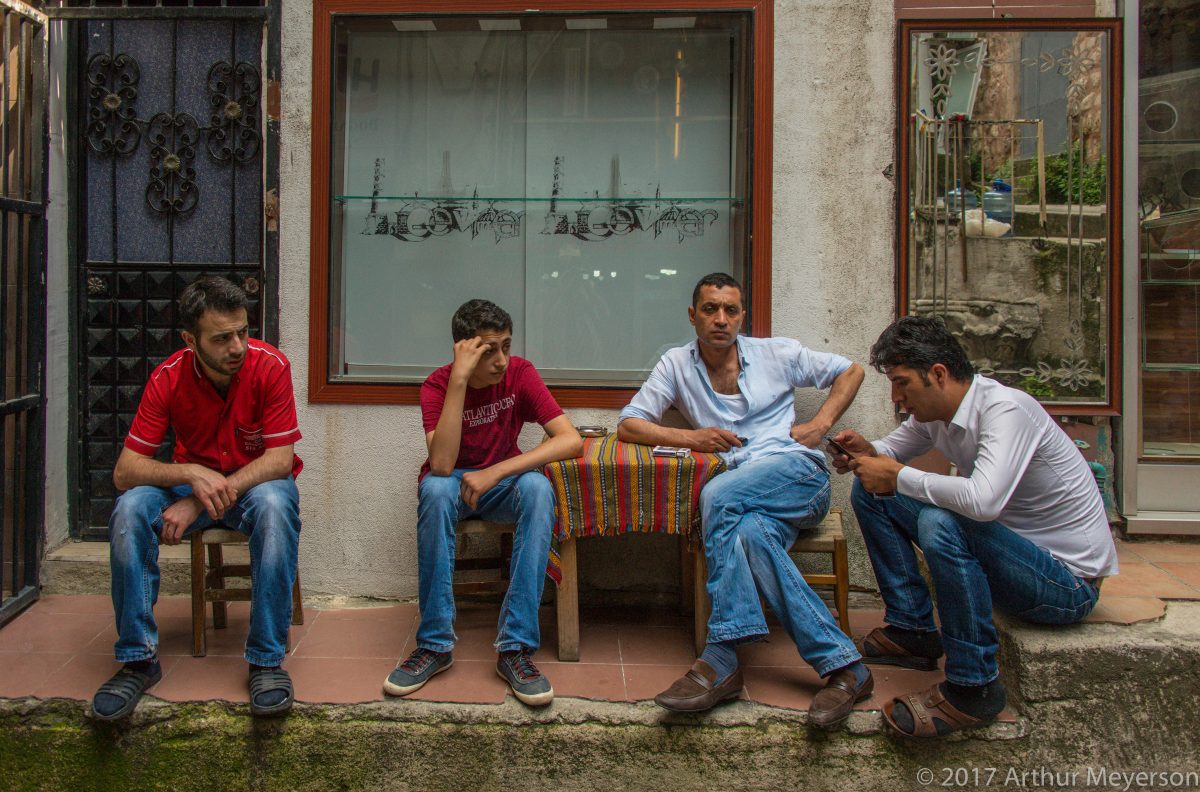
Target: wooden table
{"x": 615, "y": 488}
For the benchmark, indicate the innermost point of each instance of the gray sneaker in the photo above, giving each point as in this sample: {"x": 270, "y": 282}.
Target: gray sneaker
{"x": 416, "y": 671}
{"x": 528, "y": 684}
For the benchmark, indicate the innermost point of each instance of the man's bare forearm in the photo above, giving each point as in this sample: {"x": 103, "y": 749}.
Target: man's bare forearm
{"x": 446, "y": 438}
{"x": 566, "y": 445}
{"x": 841, "y": 394}
{"x": 639, "y": 430}
{"x": 135, "y": 470}
{"x": 274, "y": 464}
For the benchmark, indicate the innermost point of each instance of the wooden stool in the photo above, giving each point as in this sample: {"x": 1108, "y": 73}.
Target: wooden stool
{"x": 827, "y": 537}
{"x": 208, "y": 584}
{"x": 566, "y": 605}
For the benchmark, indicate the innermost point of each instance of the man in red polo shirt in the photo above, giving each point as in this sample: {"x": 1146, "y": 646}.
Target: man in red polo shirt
{"x": 229, "y": 399}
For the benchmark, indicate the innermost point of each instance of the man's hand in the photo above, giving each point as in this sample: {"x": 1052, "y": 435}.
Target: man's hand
{"x": 853, "y": 442}
{"x": 809, "y": 433}
{"x": 712, "y": 439}
{"x": 467, "y": 354}
{"x": 475, "y": 484}
{"x": 177, "y": 517}
{"x": 212, "y": 490}
{"x": 877, "y": 473}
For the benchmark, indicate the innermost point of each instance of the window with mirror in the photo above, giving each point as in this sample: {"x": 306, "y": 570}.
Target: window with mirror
{"x": 1009, "y": 216}
{"x": 582, "y": 170}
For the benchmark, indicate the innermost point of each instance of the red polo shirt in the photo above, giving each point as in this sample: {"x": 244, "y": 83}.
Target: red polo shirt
{"x": 222, "y": 434}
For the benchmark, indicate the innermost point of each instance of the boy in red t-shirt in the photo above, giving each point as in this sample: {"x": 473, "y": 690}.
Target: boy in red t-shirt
{"x": 473, "y": 410}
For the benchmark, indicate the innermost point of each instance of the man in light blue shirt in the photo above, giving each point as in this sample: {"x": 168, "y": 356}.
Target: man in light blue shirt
{"x": 738, "y": 395}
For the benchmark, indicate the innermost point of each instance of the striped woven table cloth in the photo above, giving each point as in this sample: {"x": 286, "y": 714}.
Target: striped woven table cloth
{"x": 615, "y": 488}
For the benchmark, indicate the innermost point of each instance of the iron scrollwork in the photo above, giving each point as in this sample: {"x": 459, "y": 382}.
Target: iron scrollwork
{"x": 113, "y": 126}
{"x": 233, "y": 126}
{"x": 172, "y": 187}
{"x": 114, "y": 129}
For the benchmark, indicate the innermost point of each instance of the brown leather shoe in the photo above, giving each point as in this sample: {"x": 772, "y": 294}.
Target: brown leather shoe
{"x": 832, "y": 704}
{"x": 697, "y": 690}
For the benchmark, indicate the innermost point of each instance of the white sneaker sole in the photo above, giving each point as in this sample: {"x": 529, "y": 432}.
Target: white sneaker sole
{"x": 537, "y": 700}
{"x": 404, "y": 690}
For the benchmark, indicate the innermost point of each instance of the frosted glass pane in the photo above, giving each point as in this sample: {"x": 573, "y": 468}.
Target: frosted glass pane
{"x": 581, "y": 179}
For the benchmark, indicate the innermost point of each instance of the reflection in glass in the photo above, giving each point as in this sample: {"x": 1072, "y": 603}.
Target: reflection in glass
{"x": 581, "y": 177}
{"x": 1008, "y": 222}
{"x": 1169, "y": 214}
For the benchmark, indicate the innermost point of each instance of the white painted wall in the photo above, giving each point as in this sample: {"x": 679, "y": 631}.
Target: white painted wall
{"x": 833, "y": 289}
{"x": 58, "y": 303}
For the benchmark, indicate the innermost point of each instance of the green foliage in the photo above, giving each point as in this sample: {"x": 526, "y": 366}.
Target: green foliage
{"x": 1088, "y": 182}
{"x": 1042, "y": 391}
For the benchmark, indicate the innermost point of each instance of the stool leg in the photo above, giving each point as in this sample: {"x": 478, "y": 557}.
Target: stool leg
{"x": 297, "y": 602}
{"x": 198, "y": 572}
{"x": 566, "y": 605}
{"x": 841, "y": 589}
{"x": 216, "y": 560}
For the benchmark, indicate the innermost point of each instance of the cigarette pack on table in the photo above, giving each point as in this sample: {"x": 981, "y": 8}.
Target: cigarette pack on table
{"x": 671, "y": 451}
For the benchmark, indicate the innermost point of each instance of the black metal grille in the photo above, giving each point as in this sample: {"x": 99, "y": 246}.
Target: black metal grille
{"x": 172, "y": 181}
{"x": 22, "y": 306}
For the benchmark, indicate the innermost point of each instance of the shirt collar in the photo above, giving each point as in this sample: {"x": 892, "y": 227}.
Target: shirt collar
{"x": 694, "y": 348}
{"x": 966, "y": 408}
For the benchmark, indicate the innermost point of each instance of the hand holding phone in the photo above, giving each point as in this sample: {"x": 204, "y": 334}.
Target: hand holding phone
{"x": 838, "y": 447}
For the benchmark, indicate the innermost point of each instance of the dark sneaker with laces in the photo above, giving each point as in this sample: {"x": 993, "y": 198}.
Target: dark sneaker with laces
{"x": 528, "y": 684}
{"x": 416, "y": 671}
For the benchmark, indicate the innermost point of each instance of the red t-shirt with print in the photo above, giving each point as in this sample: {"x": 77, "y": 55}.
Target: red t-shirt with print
{"x": 492, "y": 416}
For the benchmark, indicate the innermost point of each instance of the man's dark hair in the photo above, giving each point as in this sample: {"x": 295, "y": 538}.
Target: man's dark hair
{"x": 208, "y": 293}
{"x": 475, "y": 315}
{"x": 918, "y": 342}
{"x": 721, "y": 280}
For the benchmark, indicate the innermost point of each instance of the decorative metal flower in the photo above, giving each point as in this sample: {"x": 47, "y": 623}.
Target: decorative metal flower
{"x": 942, "y": 62}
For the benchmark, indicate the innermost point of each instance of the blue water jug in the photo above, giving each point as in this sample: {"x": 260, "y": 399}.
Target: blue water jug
{"x": 968, "y": 198}
{"x": 998, "y": 202}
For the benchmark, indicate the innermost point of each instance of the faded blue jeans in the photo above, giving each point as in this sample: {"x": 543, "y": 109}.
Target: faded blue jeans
{"x": 528, "y": 501}
{"x": 751, "y": 517}
{"x": 269, "y": 514}
{"x": 974, "y": 565}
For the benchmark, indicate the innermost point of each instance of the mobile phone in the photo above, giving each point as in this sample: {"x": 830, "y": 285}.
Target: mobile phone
{"x": 836, "y": 446}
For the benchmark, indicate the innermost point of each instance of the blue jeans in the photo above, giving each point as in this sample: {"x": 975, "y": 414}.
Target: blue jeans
{"x": 528, "y": 501}
{"x": 974, "y": 565}
{"x": 751, "y": 517}
{"x": 269, "y": 514}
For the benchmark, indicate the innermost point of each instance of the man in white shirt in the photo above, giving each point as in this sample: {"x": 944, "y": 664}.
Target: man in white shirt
{"x": 1022, "y": 528}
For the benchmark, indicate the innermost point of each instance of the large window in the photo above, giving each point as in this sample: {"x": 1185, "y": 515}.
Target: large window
{"x": 582, "y": 170}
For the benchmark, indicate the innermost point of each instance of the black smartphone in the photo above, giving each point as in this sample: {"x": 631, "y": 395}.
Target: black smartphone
{"x": 836, "y": 446}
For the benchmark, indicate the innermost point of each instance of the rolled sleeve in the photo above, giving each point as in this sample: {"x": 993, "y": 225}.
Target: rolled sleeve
{"x": 655, "y": 396}
{"x": 151, "y": 421}
{"x": 813, "y": 369}
{"x": 280, "y": 427}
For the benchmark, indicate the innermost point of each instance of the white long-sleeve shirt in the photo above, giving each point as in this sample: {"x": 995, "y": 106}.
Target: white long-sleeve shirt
{"x": 1017, "y": 466}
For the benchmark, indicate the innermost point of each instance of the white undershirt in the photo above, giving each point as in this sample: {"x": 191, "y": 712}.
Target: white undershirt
{"x": 736, "y": 404}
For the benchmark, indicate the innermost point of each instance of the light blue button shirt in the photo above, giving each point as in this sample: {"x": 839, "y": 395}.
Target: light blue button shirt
{"x": 771, "y": 368}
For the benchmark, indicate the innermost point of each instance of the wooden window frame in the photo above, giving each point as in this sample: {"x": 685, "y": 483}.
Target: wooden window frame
{"x": 321, "y": 390}
{"x": 1115, "y": 153}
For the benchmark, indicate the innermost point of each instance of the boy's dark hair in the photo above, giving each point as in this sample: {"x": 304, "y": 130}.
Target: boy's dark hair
{"x": 475, "y": 315}
{"x": 918, "y": 342}
{"x": 208, "y": 293}
{"x": 721, "y": 280}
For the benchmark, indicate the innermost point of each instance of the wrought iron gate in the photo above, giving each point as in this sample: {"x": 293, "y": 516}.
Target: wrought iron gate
{"x": 173, "y": 137}
{"x": 22, "y": 299}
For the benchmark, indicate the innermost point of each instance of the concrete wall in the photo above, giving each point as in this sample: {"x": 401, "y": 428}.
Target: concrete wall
{"x": 833, "y": 289}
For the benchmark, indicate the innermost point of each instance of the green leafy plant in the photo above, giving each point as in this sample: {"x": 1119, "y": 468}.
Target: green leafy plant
{"x": 1088, "y": 182}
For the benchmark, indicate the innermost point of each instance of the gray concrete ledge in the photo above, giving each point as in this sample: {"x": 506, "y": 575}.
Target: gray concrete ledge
{"x": 1090, "y": 699}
